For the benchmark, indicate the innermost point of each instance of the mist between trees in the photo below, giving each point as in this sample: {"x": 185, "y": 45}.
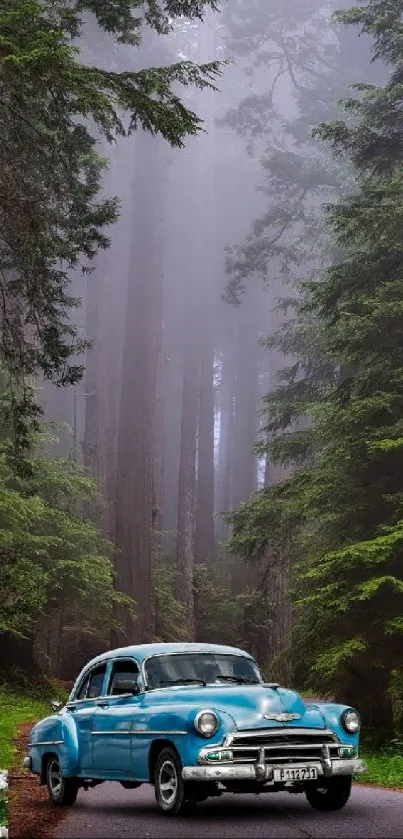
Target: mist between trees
{"x": 202, "y": 361}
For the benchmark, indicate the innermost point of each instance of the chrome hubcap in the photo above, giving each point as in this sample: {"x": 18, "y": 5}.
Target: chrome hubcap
{"x": 55, "y": 778}
{"x": 168, "y": 783}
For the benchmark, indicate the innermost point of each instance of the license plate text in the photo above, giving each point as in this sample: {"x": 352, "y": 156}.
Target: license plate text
{"x": 300, "y": 773}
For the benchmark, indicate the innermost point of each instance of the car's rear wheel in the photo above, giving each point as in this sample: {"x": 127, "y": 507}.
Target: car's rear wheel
{"x": 173, "y": 796}
{"x": 62, "y": 791}
{"x": 329, "y": 794}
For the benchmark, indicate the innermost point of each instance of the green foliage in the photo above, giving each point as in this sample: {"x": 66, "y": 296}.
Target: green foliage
{"x": 170, "y": 624}
{"x": 396, "y": 697}
{"x": 16, "y": 708}
{"x": 3, "y": 810}
{"x": 342, "y": 507}
{"x": 221, "y": 616}
{"x": 383, "y": 771}
{"x": 52, "y": 552}
{"x": 53, "y": 218}
{"x": 123, "y": 18}
{"x": 294, "y": 42}
{"x": 218, "y": 612}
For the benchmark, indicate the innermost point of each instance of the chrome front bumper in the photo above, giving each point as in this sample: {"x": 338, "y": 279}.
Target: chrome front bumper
{"x": 264, "y": 773}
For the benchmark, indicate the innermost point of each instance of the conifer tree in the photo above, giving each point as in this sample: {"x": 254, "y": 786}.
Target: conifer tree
{"x": 343, "y": 509}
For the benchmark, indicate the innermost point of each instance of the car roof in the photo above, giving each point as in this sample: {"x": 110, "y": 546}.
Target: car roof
{"x": 143, "y": 651}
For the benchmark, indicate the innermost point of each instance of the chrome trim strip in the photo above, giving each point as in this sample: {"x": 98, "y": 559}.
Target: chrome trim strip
{"x": 326, "y": 760}
{"x": 272, "y": 732}
{"x": 219, "y": 773}
{"x": 238, "y": 758}
{"x": 225, "y": 772}
{"x": 108, "y": 699}
{"x": 284, "y": 746}
{"x": 46, "y": 743}
{"x": 349, "y": 767}
{"x": 134, "y": 733}
{"x": 74, "y": 702}
{"x": 165, "y": 733}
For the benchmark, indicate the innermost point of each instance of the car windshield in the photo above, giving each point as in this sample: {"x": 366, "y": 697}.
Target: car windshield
{"x": 200, "y": 668}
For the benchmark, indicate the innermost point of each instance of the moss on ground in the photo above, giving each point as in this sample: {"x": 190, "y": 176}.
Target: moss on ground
{"x": 18, "y": 706}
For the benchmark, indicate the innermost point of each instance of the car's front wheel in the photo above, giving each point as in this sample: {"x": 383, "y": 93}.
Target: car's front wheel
{"x": 62, "y": 791}
{"x": 173, "y": 796}
{"x": 329, "y": 794}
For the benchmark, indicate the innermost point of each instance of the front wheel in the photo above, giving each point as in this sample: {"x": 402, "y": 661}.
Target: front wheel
{"x": 62, "y": 791}
{"x": 173, "y": 796}
{"x": 329, "y": 794}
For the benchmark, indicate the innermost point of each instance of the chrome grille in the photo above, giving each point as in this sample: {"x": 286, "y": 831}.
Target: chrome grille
{"x": 283, "y": 745}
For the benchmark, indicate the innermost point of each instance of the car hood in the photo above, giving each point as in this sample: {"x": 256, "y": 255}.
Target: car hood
{"x": 249, "y": 706}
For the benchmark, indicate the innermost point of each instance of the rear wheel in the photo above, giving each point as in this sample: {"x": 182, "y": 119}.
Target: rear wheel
{"x": 329, "y": 794}
{"x": 173, "y": 796}
{"x": 62, "y": 791}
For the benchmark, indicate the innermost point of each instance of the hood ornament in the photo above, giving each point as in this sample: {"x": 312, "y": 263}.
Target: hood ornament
{"x": 282, "y": 717}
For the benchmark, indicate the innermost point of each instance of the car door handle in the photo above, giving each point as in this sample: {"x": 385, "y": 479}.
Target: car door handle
{"x": 102, "y": 704}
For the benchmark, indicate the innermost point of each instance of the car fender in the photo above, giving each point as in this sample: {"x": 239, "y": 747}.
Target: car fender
{"x": 332, "y": 714}
{"x": 175, "y": 727}
{"x": 56, "y": 734}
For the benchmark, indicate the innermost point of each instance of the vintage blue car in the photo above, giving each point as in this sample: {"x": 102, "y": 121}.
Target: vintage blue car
{"x": 193, "y": 720}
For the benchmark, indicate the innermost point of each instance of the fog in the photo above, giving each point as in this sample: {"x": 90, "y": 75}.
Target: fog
{"x": 170, "y": 406}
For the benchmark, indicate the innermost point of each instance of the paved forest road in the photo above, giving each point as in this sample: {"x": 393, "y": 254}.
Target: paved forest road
{"x": 111, "y": 811}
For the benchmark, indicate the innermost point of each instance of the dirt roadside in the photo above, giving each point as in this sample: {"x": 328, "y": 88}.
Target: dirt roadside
{"x": 30, "y": 815}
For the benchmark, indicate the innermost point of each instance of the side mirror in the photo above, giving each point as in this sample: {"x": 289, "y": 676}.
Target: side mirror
{"x": 56, "y": 705}
{"x": 124, "y": 686}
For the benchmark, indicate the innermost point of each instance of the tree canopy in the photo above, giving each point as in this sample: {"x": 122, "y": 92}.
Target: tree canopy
{"x": 54, "y": 559}
{"x": 339, "y": 514}
{"x": 53, "y": 218}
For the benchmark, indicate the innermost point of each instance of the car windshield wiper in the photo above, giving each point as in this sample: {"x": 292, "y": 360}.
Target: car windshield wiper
{"x": 167, "y": 682}
{"x": 240, "y": 680}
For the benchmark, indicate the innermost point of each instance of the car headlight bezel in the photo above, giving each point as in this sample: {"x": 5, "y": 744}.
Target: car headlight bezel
{"x": 349, "y": 713}
{"x": 198, "y": 723}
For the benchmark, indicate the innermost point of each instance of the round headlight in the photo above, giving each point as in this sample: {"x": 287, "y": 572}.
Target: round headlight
{"x": 206, "y": 723}
{"x": 351, "y": 722}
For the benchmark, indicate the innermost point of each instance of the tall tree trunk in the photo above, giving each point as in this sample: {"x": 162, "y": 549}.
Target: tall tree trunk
{"x": 187, "y": 476}
{"x": 173, "y": 392}
{"x": 205, "y": 451}
{"x": 135, "y": 457}
{"x": 205, "y": 465}
{"x": 92, "y": 415}
{"x": 198, "y": 499}
{"x": 243, "y": 461}
{"x": 276, "y": 641}
{"x": 113, "y": 276}
{"x": 158, "y": 477}
{"x": 205, "y": 274}
{"x": 227, "y": 404}
{"x": 246, "y": 407}
{"x": 106, "y": 289}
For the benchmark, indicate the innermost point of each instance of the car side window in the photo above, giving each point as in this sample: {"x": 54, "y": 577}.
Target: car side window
{"x": 122, "y": 671}
{"x": 82, "y": 690}
{"x": 96, "y": 681}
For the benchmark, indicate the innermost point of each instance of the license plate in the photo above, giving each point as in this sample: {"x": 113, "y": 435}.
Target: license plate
{"x": 297, "y": 773}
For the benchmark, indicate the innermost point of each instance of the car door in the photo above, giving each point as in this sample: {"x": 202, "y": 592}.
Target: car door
{"x": 113, "y": 723}
{"x": 83, "y": 708}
